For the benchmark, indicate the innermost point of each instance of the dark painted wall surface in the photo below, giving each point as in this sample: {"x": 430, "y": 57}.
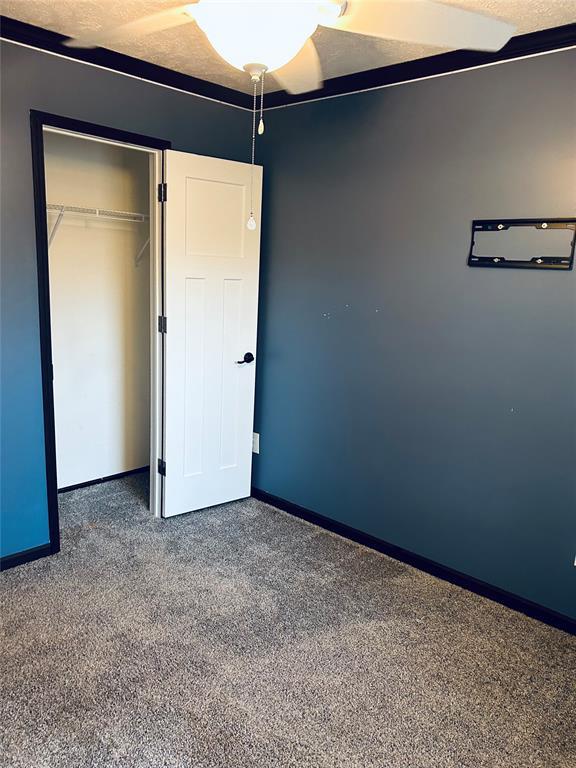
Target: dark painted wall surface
{"x": 33, "y": 80}
{"x": 399, "y": 391}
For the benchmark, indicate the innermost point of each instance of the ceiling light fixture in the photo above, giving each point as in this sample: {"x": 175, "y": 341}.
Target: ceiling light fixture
{"x": 267, "y": 32}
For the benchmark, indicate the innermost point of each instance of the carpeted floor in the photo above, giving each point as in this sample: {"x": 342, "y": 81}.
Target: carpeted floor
{"x": 242, "y": 637}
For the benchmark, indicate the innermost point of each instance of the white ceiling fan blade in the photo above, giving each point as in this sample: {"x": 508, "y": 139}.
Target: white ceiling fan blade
{"x": 303, "y": 73}
{"x": 146, "y": 25}
{"x": 424, "y": 21}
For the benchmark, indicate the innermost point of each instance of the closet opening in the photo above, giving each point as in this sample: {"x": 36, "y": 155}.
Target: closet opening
{"x": 99, "y": 234}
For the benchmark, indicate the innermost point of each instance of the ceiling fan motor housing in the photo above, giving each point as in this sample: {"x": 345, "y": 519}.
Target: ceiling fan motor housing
{"x": 255, "y": 71}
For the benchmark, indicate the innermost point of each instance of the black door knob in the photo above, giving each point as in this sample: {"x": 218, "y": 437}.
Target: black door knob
{"x": 248, "y": 358}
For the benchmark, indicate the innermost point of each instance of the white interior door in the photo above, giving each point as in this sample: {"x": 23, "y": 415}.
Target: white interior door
{"x": 211, "y": 299}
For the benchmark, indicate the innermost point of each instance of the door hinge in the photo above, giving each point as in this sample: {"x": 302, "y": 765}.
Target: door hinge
{"x": 162, "y": 467}
{"x": 162, "y": 192}
{"x": 162, "y": 324}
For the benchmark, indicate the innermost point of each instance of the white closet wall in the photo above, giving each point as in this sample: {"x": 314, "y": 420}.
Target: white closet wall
{"x": 100, "y": 300}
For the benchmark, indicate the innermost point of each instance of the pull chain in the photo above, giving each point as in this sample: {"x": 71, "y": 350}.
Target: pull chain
{"x": 261, "y": 123}
{"x": 251, "y": 223}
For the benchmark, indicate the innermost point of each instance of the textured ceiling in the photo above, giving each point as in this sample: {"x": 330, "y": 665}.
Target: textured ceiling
{"x": 185, "y": 48}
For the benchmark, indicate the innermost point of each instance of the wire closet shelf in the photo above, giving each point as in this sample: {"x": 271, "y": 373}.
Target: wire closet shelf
{"x": 98, "y": 213}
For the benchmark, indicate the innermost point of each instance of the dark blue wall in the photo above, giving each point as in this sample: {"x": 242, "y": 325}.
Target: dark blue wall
{"x": 399, "y": 391}
{"x": 33, "y": 80}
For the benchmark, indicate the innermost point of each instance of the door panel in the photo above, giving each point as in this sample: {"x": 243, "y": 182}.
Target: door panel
{"x": 211, "y": 285}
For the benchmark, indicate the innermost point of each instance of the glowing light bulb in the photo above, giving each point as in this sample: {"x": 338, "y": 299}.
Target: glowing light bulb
{"x": 251, "y": 223}
{"x": 247, "y": 32}
{"x": 260, "y": 127}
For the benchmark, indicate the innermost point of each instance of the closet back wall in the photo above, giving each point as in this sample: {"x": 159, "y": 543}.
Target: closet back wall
{"x": 100, "y": 301}
{"x": 34, "y": 80}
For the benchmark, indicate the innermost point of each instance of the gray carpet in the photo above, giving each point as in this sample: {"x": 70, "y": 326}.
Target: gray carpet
{"x": 241, "y": 636}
